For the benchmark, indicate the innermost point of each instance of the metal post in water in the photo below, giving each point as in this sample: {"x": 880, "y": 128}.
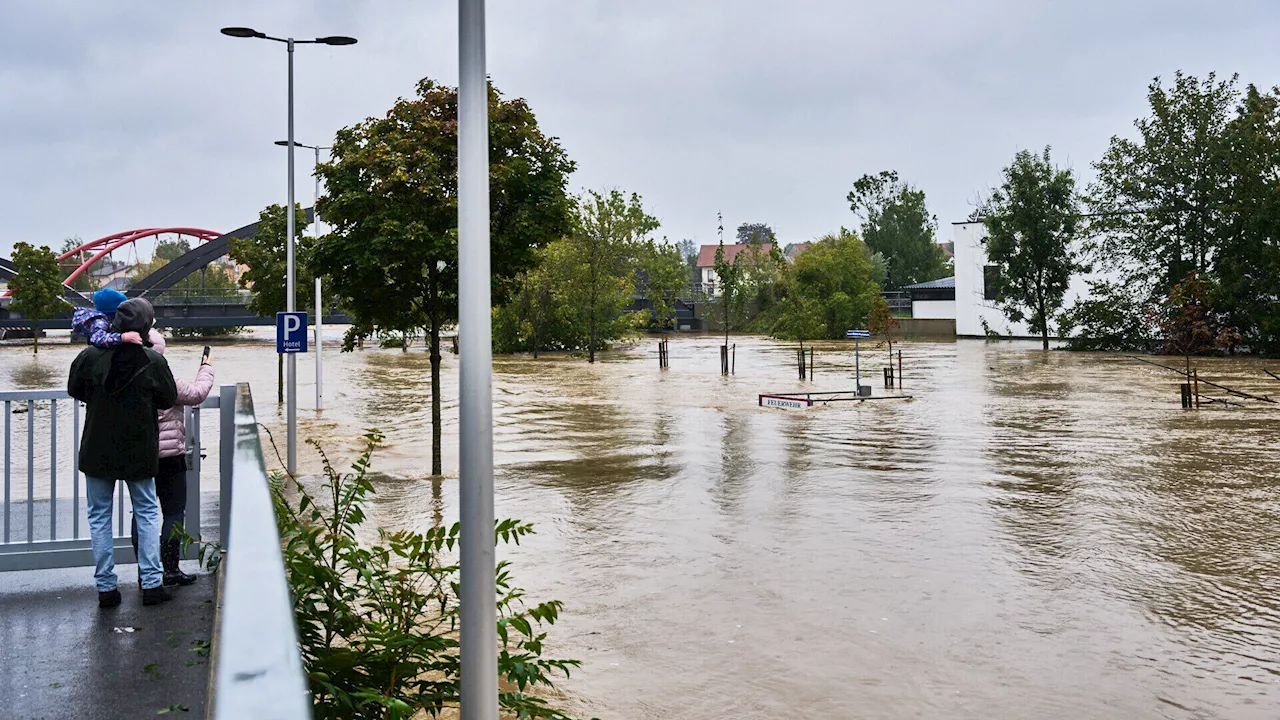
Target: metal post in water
{"x": 319, "y": 361}
{"x": 478, "y": 633}
{"x": 857, "y": 368}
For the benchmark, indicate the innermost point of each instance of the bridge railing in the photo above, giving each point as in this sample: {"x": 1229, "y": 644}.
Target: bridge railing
{"x": 258, "y": 671}
{"x": 46, "y": 529}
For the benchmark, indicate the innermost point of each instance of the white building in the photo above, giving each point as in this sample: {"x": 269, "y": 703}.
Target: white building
{"x": 976, "y": 311}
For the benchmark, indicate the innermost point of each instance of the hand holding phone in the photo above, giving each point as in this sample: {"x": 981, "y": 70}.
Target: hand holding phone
{"x": 204, "y": 359}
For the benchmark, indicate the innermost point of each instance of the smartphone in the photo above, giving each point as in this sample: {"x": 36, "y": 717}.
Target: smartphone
{"x": 205, "y": 358}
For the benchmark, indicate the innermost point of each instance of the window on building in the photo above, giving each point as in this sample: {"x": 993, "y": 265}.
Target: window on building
{"x": 991, "y": 282}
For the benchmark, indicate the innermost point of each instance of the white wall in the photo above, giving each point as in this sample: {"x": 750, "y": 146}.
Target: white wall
{"x": 933, "y": 309}
{"x": 971, "y": 308}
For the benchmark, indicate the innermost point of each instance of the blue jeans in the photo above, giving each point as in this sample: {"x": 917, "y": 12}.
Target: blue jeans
{"x": 146, "y": 511}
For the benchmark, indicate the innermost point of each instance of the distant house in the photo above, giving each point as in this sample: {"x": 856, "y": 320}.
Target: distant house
{"x": 705, "y": 267}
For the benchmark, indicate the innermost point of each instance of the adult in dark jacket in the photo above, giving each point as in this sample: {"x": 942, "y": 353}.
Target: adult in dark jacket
{"x": 123, "y": 388}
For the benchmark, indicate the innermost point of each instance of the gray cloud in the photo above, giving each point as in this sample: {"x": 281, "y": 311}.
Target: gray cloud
{"x": 131, "y": 114}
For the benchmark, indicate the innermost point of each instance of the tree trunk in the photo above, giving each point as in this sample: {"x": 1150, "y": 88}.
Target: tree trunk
{"x": 279, "y": 377}
{"x": 435, "y": 380}
{"x": 1044, "y": 326}
{"x": 35, "y": 337}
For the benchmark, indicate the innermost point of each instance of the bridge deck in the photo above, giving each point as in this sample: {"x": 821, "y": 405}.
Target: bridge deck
{"x": 63, "y": 657}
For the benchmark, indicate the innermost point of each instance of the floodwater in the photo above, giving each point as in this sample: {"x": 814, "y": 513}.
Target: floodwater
{"x": 1032, "y": 536}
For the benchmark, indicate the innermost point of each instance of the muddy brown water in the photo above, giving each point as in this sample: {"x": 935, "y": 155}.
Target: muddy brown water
{"x": 1032, "y": 536}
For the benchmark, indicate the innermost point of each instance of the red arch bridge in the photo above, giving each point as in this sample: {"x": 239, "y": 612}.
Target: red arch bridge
{"x": 173, "y": 309}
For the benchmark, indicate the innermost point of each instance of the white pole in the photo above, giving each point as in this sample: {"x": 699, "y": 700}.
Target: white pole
{"x": 319, "y": 362}
{"x": 291, "y": 362}
{"x": 478, "y": 634}
{"x": 315, "y": 224}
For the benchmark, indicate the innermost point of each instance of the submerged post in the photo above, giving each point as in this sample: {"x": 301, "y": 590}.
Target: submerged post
{"x": 478, "y": 595}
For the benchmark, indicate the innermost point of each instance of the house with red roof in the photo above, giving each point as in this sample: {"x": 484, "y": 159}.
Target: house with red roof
{"x": 705, "y": 267}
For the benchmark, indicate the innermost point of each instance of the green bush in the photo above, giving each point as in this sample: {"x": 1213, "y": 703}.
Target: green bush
{"x": 378, "y": 623}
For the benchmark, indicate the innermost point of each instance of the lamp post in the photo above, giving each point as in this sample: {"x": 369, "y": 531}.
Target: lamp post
{"x": 291, "y": 369}
{"x": 477, "y": 633}
{"x": 315, "y": 228}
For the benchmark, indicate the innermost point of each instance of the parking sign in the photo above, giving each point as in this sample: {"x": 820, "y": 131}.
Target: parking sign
{"x": 291, "y": 332}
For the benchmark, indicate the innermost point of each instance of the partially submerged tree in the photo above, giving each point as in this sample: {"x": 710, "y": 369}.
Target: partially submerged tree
{"x": 1032, "y": 222}
{"x": 835, "y": 273}
{"x": 36, "y": 288}
{"x": 391, "y": 257}
{"x": 610, "y": 230}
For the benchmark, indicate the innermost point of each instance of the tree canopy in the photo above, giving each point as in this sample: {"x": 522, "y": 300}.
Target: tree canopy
{"x": 1032, "y": 221}
{"x": 36, "y": 287}
{"x": 896, "y": 224}
{"x": 391, "y": 257}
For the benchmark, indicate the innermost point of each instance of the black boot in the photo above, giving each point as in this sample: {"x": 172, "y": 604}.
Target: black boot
{"x": 155, "y": 595}
{"x": 170, "y": 553}
{"x": 109, "y": 599}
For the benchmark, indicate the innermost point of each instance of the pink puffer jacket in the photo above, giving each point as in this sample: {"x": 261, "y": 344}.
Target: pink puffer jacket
{"x": 173, "y": 436}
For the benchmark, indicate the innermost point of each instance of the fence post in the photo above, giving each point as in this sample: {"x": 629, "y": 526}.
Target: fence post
{"x": 191, "y": 523}
{"x": 226, "y": 458}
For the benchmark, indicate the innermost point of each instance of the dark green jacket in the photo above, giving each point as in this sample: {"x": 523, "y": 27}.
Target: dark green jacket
{"x": 123, "y": 388}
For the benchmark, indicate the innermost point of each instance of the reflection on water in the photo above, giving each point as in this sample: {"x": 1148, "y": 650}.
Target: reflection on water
{"x": 1033, "y": 535}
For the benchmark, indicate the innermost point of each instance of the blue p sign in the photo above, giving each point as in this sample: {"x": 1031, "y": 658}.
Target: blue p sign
{"x": 291, "y": 332}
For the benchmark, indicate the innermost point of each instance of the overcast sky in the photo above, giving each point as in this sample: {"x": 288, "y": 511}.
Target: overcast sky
{"x": 118, "y": 115}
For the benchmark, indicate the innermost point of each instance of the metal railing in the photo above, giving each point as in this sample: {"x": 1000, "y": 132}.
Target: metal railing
{"x": 37, "y": 542}
{"x": 258, "y": 668}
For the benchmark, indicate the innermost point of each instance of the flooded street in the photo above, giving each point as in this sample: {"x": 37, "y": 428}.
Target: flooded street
{"x": 1033, "y": 536}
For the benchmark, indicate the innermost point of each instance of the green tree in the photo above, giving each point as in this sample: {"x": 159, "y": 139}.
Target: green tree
{"x": 833, "y": 279}
{"x": 610, "y": 231}
{"x": 1160, "y": 199}
{"x": 36, "y": 287}
{"x": 666, "y": 276}
{"x": 1247, "y": 263}
{"x": 896, "y": 223}
{"x": 1032, "y": 223}
{"x": 800, "y": 318}
{"x": 391, "y": 257}
{"x": 265, "y": 253}
{"x": 730, "y": 290}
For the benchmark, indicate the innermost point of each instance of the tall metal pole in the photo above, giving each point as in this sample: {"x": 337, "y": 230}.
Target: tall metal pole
{"x": 857, "y": 367}
{"x": 319, "y": 363}
{"x": 291, "y": 362}
{"x": 315, "y": 226}
{"x": 478, "y": 638}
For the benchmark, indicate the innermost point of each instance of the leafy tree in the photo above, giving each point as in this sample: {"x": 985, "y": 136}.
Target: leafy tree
{"x": 1247, "y": 263}
{"x": 1160, "y": 198}
{"x": 834, "y": 274}
{"x": 880, "y": 321}
{"x": 688, "y": 251}
{"x": 666, "y": 276}
{"x": 1189, "y": 323}
{"x": 85, "y": 283}
{"x": 1112, "y": 317}
{"x": 170, "y": 250}
{"x": 609, "y": 231}
{"x": 758, "y": 233}
{"x": 391, "y": 256}
{"x": 897, "y": 224}
{"x": 1032, "y": 222}
{"x": 36, "y": 288}
{"x": 731, "y": 290}
{"x": 801, "y": 319}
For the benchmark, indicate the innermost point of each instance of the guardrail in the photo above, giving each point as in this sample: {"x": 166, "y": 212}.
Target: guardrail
{"x": 38, "y": 543}
{"x": 257, "y": 666}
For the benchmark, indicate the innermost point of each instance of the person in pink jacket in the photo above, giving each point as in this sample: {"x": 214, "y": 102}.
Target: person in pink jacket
{"x": 171, "y": 480}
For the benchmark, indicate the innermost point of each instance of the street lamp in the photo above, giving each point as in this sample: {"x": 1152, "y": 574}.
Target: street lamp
{"x": 291, "y": 374}
{"x": 315, "y": 226}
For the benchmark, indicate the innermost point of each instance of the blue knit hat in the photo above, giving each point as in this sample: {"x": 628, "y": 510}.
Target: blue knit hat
{"x": 107, "y": 300}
